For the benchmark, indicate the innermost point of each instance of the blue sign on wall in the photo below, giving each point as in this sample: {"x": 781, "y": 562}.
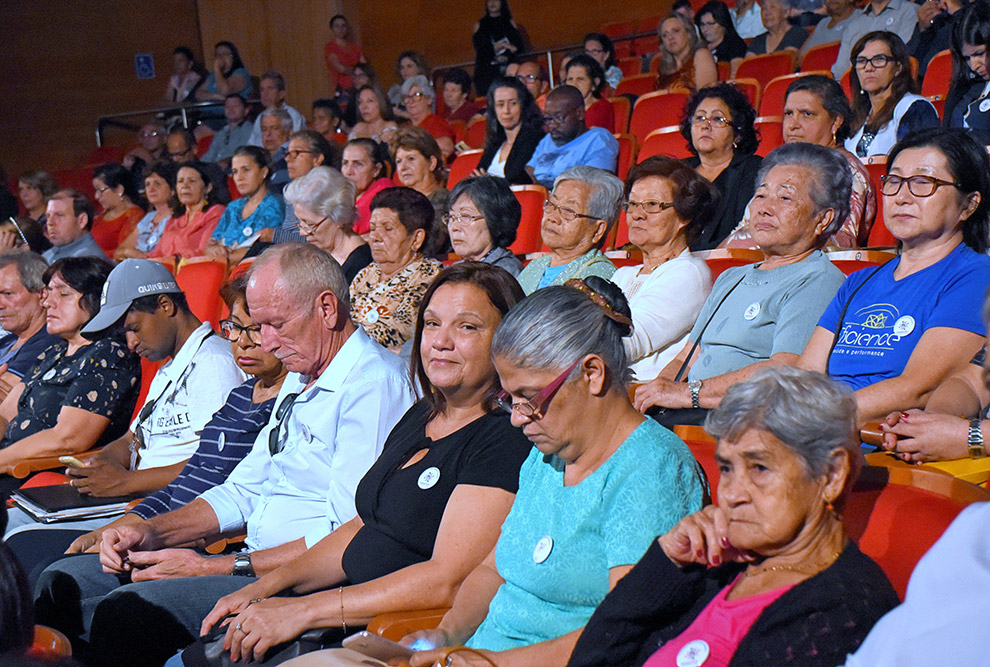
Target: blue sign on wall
{"x": 144, "y": 65}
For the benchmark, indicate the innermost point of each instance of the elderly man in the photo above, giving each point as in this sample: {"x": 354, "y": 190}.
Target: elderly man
{"x": 583, "y": 207}
{"x": 532, "y": 75}
{"x": 70, "y": 219}
{"x": 180, "y": 145}
{"x": 897, "y": 16}
{"x": 335, "y": 409}
{"x": 21, "y": 315}
{"x": 568, "y": 141}
{"x": 272, "y": 94}
{"x": 231, "y": 136}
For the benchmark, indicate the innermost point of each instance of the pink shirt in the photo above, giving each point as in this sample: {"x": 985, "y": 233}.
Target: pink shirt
{"x": 721, "y": 625}
{"x": 363, "y": 204}
{"x": 188, "y": 237}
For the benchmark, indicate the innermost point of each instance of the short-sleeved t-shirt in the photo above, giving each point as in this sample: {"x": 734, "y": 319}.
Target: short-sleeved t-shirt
{"x": 23, "y": 359}
{"x": 888, "y": 317}
{"x": 101, "y": 378}
{"x": 768, "y": 313}
{"x": 559, "y": 542}
{"x": 236, "y": 231}
{"x": 594, "y": 148}
{"x": 402, "y": 507}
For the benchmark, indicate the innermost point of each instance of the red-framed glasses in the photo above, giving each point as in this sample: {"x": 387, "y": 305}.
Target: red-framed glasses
{"x": 536, "y": 407}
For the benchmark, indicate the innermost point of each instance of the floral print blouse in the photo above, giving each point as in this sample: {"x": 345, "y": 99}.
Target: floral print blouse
{"x": 386, "y": 309}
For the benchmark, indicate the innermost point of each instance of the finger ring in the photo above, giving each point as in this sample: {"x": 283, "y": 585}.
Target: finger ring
{"x": 238, "y": 627}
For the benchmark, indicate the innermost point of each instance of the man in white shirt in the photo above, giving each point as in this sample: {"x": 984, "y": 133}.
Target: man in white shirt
{"x": 748, "y": 19}
{"x": 272, "y": 94}
{"x": 897, "y": 16}
{"x": 335, "y": 409}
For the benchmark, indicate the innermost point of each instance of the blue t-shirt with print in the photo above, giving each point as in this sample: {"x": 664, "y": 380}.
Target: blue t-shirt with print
{"x": 888, "y": 317}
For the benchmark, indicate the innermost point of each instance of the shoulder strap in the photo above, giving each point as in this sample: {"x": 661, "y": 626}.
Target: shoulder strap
{"x": 687, "y": 360}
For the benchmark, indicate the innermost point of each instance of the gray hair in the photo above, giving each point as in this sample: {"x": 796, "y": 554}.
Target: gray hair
{"x": 605, "y": 200}
{"x": 421, "y": 82}
{"x": 30, "y": 268}
{"x": 272, "y": 75}
{"x": 807, "y": 411}
{"x": 833, "y": 183}
{"x": 555, "y": 326}
{"x": 281, "y": 114}
{"x": 324, "y": 191}
{"x": 306, "y": 272}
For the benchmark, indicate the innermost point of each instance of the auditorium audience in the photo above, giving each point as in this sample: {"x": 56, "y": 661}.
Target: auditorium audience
{"x": 965, "y": 105}
{"x": 185, "y": 76}
{"x": 227, "y": 75}
{"x": 33, "y": 189}
{"x": 585, "y": 74}
{"x": 196, "y": 216}
{"x": 583, "y": 207}
{"x": 718, "y": 126}
{"x": 532, "y": 75}
{"x": 484, "y": 215}
{"x": 180, "y": 145}
{"x": 600, "y": 47}
{"x": 342, "y": 397}
{"x": 116, "y": 195}
{"x": 780, "y": 35}
{"x": 685, "y": 65}
{"x": 22, "y": 316}
{"x": 231, "y": 136}
{"x": 386, "y": 294}
{"x": 600, "y": 483}
{"x": 150, "y": 149}
{"x": 496, "y": 39}
{"x": 895, "y": 333}
{"x": 719, "y": 32}
{"x": 884, "y": 95}
{"x": 935, "y": 23}
{"x": 68, "y": 222}
{"x": 896, "y": 16}
{"x": 514, "y": 127}
{"x": 407, "y": 65}
{"x": 839, "y": 14}
{"x": 272, "y": 93}
{"x": 457, "y": 96}
{"x": 569, "y": 141}
{"x": 276, "y": 128}
{"x": 341, "y": 54}
{"x": 159, "y": 190}
{"x": 667, "y": 204}
{"x": 803, "y": 194}
{"x": 768, "y": 576}
{"x": 323, "y": 203}
{"x": 366, "y": 165}
{"x": 375, "y": 118}
{"x": 419, "y": 99}
{"x": 419, "y": 165}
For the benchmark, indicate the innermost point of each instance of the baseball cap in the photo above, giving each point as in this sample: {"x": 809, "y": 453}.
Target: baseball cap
{"x": 130, "y": 280}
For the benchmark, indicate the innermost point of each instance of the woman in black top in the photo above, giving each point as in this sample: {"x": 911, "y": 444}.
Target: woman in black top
{"x": 430, "y": 509}
{"x": 515, "y": 127}
{"x": 716, "y": 28}
{"x": 496, "y": 40}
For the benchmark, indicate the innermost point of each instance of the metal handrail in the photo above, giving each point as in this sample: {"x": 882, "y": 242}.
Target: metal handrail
{"x": 111, "y": 119}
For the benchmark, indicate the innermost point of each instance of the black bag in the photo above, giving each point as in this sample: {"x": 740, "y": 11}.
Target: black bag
{"x": 209, "y": 652}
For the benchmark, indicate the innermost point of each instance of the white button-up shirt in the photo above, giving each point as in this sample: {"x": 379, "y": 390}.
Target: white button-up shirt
{"x": 329, "y": 438}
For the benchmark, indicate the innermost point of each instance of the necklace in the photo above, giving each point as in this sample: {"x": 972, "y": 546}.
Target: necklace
{"x": 814, "y": 569}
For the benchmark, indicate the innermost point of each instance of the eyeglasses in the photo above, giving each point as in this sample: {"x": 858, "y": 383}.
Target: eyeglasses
{"x": 594, "y": 52}
{"x": 879, "y": 61}
{"x": 528, "y": 78}
{"x": 651, "y": 206}
{"x": 536, "y": 407}
{"x": 100, "y": 191}
{"x": 307, "y": 229}
{"x": 558, "y": 118}
{"x": 145, "y": 135}
{"x": 566, "y": 214}
{"x": 919, "y": 186}
{"x": 714, "y": 121}
{"x": 708, "y": 24}
{"x": 274, "y": 441}
{"x": 232, "y": 331}
{"x": 412, "y": 96}
{"x": 455, "y": 219}
{"x": 292, "y": 155}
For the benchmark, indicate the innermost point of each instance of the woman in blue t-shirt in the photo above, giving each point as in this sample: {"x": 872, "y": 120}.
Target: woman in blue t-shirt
{"x": 228, "y": 76}
{"x": 894, "y": 333}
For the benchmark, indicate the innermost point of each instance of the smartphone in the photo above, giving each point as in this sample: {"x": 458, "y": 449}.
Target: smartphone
{"x": 71, "y": 461}
{"x": 375, "y": 646}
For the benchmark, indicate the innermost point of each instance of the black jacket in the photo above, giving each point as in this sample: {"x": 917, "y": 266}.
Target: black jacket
{"x": 515, "y": 165}
{"x": 736, "y": 185}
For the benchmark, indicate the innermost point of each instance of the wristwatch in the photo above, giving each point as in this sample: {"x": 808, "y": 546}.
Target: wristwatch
{"x": 242, "y": 565}
{"x": 695, "y": 387}
{"x": 975, "y": 440}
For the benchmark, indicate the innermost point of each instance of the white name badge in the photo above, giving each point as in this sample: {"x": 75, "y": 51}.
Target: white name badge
{"x": 221, "y": 441}
{"x": 693, "y": 654}
{"x": 372, "y": 316}
{"x": 984, "y": 106}
{"x": 429, "y": 478}
{"x": 248, "y": 231}
{"x": 752, "y": 310}
{"x": 49, "y": 375}
{"x": 543, "y": 549}
{"x": 904, "y": 325}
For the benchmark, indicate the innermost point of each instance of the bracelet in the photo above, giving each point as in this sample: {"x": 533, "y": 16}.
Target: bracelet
{"x": 343, "y": 623}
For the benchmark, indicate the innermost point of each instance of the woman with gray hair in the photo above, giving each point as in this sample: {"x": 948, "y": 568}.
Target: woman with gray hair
{"x": 600, "y": 483}
{"x": 582, "y": 209}
{"x": 323, "y": 201}
{"x": 768, "y": 576}
{"x": 762, "y": 314}
{"x": 419, "y": 98}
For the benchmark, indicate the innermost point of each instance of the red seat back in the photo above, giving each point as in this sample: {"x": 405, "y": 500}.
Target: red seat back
{"x": 476, "y": 134}
{"x": 938, "y": 75}
{"x": 636, "y": 85}
{"x": 201, "y": 281}
{"x": 880, "y": 237}
{"x": 820, "y": 57}
{"x": 148, "y": 370}
{"x": 629, "y": 66}
{"x": 203, "y": 145}
{"x": 751, "y": 88}
{"x": 531, "y": 198}
{"x": 771, "y": 132}
{"x": 665, "y": 141}
{"x": 766, "y": 67}
{"x": 462, "y": 167}
{"x": 656, "y": 110}
{"x": 775, "y": 93}
{"x": 621, "y": 109}
{"x": 104, "y": 154}
{"x": 628, "y": 147}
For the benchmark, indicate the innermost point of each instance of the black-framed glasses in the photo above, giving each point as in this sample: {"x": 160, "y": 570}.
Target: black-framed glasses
{"x": 292, "y": 155}
{"x": 714, "y": 121}
{"x": 274, "y": 440}
{"x": 708, "y": 24}
{"x": 651, "y": 206}
{"x": 878, "y": 61}
{"x": 232, "y": 331}
{"x": 536, "y": 407}
{"x": 456, "y": 219}
{"x": 566, "y": 214}
{"x": 919, "y": 186}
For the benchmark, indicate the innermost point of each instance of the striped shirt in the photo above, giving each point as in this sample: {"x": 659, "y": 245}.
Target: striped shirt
{"x": 225, "y": 440}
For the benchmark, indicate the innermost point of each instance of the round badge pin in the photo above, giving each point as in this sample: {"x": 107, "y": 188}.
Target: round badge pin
{"x": 372, "y": 316}
{"x": 984, "y": 106}
{"x": 221, "y": 441}
{"x": 543, "y": 549}
{"x": 890, "y": 21}
{"x": 904, "y": 325}
{"x": 752, "y": 310}
{"x": 49, "y": 375}
{"x": 248, "y": 231}
{"x": 429, "y": 478}
{"x": 693, "y": 654}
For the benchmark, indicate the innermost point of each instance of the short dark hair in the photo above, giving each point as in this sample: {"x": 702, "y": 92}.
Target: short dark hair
{"x": 149, "y": 304}
{"x": 330, "y": 106}
{"x": 80, "y": 204}
{"x": 236, "y": 97}
{"x": 86, "y": 275}
{"x": 460, "y": 77}
{"x": 743, "y": 115}
{"x": 114, "y": 175}
{"x": 503, "y": 292}
{"x": 235, "y": 290}
{"x": 695, "y": 198}
{"x": 186, "y": 135}
{"x": 166, "y": 170}
{"x": 186, "y": 51}
{"x": 272, "y": 75}
{"x": 832, "y": 97}
{"x": 413, "y": 208}
{"x": 594, "y": 70}
{"x": 40, "y": 180}
{"x": 495, "y": 201}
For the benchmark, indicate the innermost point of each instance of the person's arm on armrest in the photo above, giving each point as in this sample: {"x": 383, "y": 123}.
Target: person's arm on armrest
{"x": 75, "y": 431}
{"x": 964, "y": 394}
{"x": 172, "y": 563}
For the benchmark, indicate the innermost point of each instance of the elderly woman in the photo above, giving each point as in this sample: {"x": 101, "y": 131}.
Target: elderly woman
{"x": 407, "y": 65}
{"x": 33, "y": 189}
{"x": 419, "y": 165}
{"x": 119, "y": 215}
{"x": 718, "y": 125}
{"x": 816, "y": 112}
{"x": 323, "y": 202}
{"x": 385, "y": 295}
{"x": 81, "y": 393}
{"x": 965, "y": 105}
{"x": 719, "y": 33}
{"x": 884, "y": 95}
{"x": 195, "y": 218}
{"x": 666, "y": 205}
{"x": 780, "y": 34}
{"x": 762, "y": 314}
{"x": 482, "y": 223}
{"x": 584, "y": 73}
{"x": 159, "y": 190}
{"x": 375, "y": 119}
{"x": 407, "y": 549}
{"x": 365, "y": 164}
{"x": 227, "y": 76}
{"x": 769, "y": 576}
{"x": 600, "y": 483}
{"x": 514, "y": 127}
{"x": 582, "y": 209}
{"x": 419, "y": 98}
{"x": 685, "y": 65}
{"x": 895, "y": 333}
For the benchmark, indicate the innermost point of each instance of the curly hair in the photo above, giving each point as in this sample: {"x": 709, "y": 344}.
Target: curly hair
{"x": 742, "y": 112}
